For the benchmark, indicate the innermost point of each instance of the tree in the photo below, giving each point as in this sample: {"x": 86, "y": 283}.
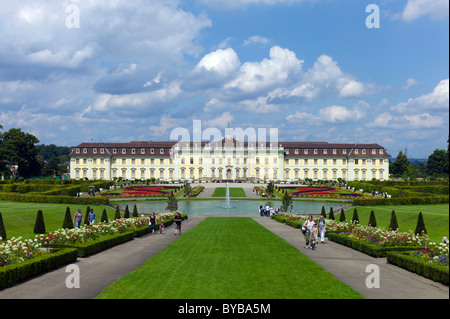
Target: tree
{"x": 127, "y": 212}
{"x": 86, "y": 216}
{"x": 393, "y": 225}
{"x": 104, "y": 218}
{"x": 355, "y": 217}
{"x": 372, "y": 219}
{"x": 287, "y": 202}
{"x": 342, "y": 217}
{"x": 399, "y": 166}
{"x": 323, "y": 213}
{"x": 2, "y": 229}
{"x": 270, "y": 189}
{"x": 172, "y": 204}
{"x": 68, "y": 222}
{"x": 135, "y": 212}
{"x": 331, "y": 214}
{"x": 18, "y": 148}
{"x": 437, "y": 163}
{"x": 39, "y": 225}
{"x": 117, "y": 214}
{"x": 420, "y": 227}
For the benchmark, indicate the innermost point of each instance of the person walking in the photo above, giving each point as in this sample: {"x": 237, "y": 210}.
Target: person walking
{"x": 322, "y": 229}
{"x": 78, "y": 217}
{"x": 92, "y": 217}
{"x": 309, "y": 223}
{"x": 152, "y": 222}
{"x": 177, "y": 221}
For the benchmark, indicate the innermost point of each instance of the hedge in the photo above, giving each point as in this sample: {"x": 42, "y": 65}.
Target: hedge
{"x": 18, "y": 272}
{"x": 54, "y": 199}
{"x": 401, "y": 201}
{"x": 92, "y": 247}
{"x": 365, "y": 247}
{"x": 428, "y": 270}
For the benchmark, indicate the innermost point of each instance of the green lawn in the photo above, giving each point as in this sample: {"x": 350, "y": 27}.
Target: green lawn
{"x": 436, "y": 217}
{"x": 229, "y": 258}
{"x": 19, "y": 218}
{"x": 234, "y": 192}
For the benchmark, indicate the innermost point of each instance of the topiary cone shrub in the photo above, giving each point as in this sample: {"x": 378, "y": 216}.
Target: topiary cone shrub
{"x": 39, "y": 225}
{"x": 372, "y": 219}
{"x": 393, "y": 225}
{"x": 104, "y": 218}
{"x": 117, "y": 214}
{"x": 86, "y": 216}
{"x": 420, "y": 227}
{"x": 135, "y": 212}
{"x": 331, "y": 214}
{"x": 355, "y": 217}
{"x": 342, "y": 217}
{"x": 68, "y": 222}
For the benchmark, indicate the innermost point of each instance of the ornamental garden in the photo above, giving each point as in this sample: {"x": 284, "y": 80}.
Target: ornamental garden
{"x": 406, "y": 237}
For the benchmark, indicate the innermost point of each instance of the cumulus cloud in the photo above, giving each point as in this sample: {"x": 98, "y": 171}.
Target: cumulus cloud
{"x": 416, "y": 9}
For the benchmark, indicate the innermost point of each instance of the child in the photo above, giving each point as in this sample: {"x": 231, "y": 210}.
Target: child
{"x": 314, "y": 234}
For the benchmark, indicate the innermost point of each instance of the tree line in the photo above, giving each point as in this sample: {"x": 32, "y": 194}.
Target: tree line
{"x": 20, "y": 156}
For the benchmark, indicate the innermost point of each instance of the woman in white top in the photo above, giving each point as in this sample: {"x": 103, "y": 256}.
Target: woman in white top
{"x": 309, "y": 223}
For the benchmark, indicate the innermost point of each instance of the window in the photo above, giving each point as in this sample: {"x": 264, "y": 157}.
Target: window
{"x": 133, "y": 151}
{"x": 364, "y": 151}
{"x": 124, "y": 150}
{"x": 102, "y": 151}
{"x": 191, "y": 161}
{"x": 306, "y": 151}
{"x": 315, "y": 151}
{"x": 334, "y": 151}
{"x": 77, "y": 151}
{"x": 161, "y": 151}
{"x": 296, "y": 151}
{"x": 142, "y": 150}
{"x": 94, "y": 151}
{"x": 325, "y": 151}
{"x": 152, "y": 151}
{"x": 115, "y": 151}
{"x": 381, "y": 152}
{"x": 84, "y": 150}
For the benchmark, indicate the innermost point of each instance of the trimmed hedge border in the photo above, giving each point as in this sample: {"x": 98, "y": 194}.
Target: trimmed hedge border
{"x": 93, "y": 247}
{"x": 54, "y": 199}
{"x": 431, "y": 271}
{"x": 18, "y": 272}
{"x": 367, "y": 248}
{"x": 401, "y": 201}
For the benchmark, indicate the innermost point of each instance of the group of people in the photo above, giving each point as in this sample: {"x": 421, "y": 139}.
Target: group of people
{"x": 312, "y": 230}
{"x": 92, "y": 218}
{"x": 78, "y": 218}
{"x": 267, "y": 211}
{"x": 177, "y": 220}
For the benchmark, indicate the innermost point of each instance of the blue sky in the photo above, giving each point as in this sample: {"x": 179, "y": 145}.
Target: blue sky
{"x": 138, "y": 69}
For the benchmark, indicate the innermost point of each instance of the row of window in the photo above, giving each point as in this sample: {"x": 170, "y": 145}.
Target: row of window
{"x": 334, "y": 151}
{"x": 116, "y": 151}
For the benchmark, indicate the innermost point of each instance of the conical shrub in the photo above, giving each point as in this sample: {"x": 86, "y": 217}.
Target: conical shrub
{"x": 135, "y": 212}
{"x": 127, "y": 212}
{"x": 355, "y": 217}
{"x": 39, "y": 225}
{"x": 86, "y": 216}
{"x": 331, "y": 214}
{"x": 342, "y": 217}
{"x": 393, "y": 225}
{"x": 323, "y": 213}
{"x": 420, "y": 227}
{"x": 117, "y": 214}
{"x": 68, "y": 222}
{"x": 104, "y": 218}
{"x": 372, "y": 219}
{"x": 2, "y": 228}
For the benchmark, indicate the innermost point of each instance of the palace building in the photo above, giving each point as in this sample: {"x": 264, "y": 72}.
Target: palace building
{"x": 229, "y": 159}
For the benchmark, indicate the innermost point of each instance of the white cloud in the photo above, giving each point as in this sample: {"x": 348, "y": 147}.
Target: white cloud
{"x": 232, "y": 4}
{"x": 438, "y": 99}
{"x": 336, "y": 113}
{"x": 256, "y": 39}
{"x": 416, "y": 9}
{"x": 223, "y": 62}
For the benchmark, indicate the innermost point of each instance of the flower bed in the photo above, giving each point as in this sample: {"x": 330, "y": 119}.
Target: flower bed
{"x": 326, "y": 192}
{"x": 144, "y": 191}
{"x": 17, "y": 250}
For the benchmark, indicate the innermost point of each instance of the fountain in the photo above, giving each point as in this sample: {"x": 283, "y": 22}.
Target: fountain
{"x": 227, "y": 194}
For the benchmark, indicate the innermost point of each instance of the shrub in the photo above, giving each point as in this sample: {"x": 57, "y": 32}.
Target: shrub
{"x": 372, "y": 219}
{"x": 420, "y": 227}
{"x": 323, "y": 213}
{"x": 117, "y": 214}
{"x": 127, "y": 212}
{"x": 393, "y": 225}
{"x": 39, "y": 225}
{"x": 2, "y": 228}
{"x": 135, "y": 212}
{"x": 355, "y": 218}
{"x": 104, "y": 218}
{"x": 342, "y": 217}
{"x": 86, "y": 216}
{"x": 68, "y": 223}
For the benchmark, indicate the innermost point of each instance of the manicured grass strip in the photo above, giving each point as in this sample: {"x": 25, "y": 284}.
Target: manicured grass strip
{"x": 229, "y": 258}
{"x": 436, "y": 217}
{"x": 234, "y": 192}
{"x": 19, "y": 217}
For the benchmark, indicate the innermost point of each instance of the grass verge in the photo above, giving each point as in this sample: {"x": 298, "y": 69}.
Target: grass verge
{"x": 229, "y": 258}
{"x": 234, "y": 192}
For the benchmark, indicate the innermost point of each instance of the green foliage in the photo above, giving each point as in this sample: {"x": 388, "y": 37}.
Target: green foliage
{"x": 393, "y": 225}
{"x": 372, "y": 219}
{"x": 104, "y": 218}
{"x": 127, "y": 212}
{"x": 331, "y": 214}
{"x": 68, "y": 222}
{"x": 86, "y": 216}
{"x": 270, "y": 188}
{"x": 342, "y": 217}
{"x": 172, "y": 204}
{"x": 2, "y": 228}
{"x": 355, "y": 217}
{"x": 39, "y": 225}
{"x": 117, "y": 214}
{"x": 400, "y": 165}
{"x": 287, "y": 202}
{"x": 135, "y": 212}
{"x": 323, "y": 213}
{"x": 420, "y": 225}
